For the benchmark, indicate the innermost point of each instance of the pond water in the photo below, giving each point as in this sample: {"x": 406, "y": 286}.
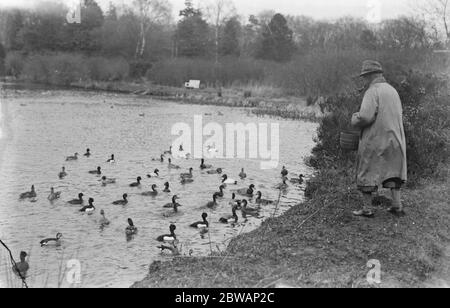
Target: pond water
{"x": 40, "y": 128}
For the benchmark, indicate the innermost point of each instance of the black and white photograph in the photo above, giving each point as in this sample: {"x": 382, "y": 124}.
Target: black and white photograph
{"x": 213, "y": 147}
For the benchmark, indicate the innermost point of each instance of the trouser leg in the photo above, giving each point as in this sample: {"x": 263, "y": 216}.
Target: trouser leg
{"x": 396, "y": 199}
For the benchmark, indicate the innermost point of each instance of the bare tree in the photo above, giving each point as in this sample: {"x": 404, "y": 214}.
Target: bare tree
{"x": 438, "y": 12}
{"x": 150, "y": 12}
{"x": 218, "y": 11}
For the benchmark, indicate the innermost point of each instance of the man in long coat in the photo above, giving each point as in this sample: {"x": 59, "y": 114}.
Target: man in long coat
{"x": 382, "y": 148}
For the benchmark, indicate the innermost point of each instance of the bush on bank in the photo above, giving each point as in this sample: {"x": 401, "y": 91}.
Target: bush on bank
{"x": 426, "y": 111}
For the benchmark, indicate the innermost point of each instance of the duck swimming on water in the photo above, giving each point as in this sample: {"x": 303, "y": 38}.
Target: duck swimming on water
{"x": 151, "y": 193}
{"x": 168, "y": 237}
{"x": 173, "y": 204}
{"x": 78, "y": 201}
{"x": 53, "y": 195}
{"x": 213, "y": 203}
{"x": 216, "y": 171}
{"x": 124, "y": 201}
{"x": 220, "y": 194}
{"x": 88, "y": 153}
{"x": 246, "y": 210}
{"x": 226, "y": 180}
{"x": 166, "y": 187}
{"x": 187, "y": 175}
{"x": 89, "y": 209}
{"x": 261, "y": 201}
{"x": 72, "y": 158}
{"x": 29, "y": 194}
{"x": 63, "y": 173}
{"x": 106, "y": 181}
{"x": 247, "y": 192}
{"x": 131, "y": 228}
{"x": 300, "y": 180}
{"x": 230, "y": 218}
{"x": 201, "y": 224}
{"x": 204, "y": 166}
{"x": 155, "y": 174}
{"x": 52, "y": 241}
{"x": 103, "y": 221}
{"x": 137, "y": 183}
{"x": 96, "y": 172}
{"x": 112, "y": 160}
{"x": 173, "y": 166}
{"x": 242, "y": 175}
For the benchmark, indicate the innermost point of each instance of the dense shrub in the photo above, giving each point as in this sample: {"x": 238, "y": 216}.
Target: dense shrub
{"x": 229, "y": 70}
{"x": 426, "y": 119}
{"x": 14, "y": 64}
{"x": 64, "y": 69}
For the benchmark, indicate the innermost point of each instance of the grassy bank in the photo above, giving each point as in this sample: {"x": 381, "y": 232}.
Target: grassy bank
{"x": 320, "y": 244}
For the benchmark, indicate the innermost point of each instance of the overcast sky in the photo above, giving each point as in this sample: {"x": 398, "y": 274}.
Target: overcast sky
{"x": 315, "y": 8}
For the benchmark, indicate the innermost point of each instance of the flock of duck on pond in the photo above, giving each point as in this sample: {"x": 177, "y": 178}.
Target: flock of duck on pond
{"x": 168, "y": 241}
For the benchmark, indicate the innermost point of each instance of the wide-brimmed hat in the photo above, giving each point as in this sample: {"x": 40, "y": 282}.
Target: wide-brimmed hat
{"x": 371, "y": 67}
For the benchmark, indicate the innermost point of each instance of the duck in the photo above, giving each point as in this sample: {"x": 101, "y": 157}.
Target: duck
{"x": 72, "y": 158}
{"x": 90, "y": 208}
{"x": 186, "y": 181}
{"x": 52, "y": 241}
{"x": 21, "y": 268}
{"x": 103, "y": 221}
{"x": 78, "y": 201}
{"x": 106, "y": 181}
{"x": 220, "y": 194}
{"x": 216, "y": 171}
{"x": 161, "y": 158}
{"x": 131, "y": 229}
{"x": 166, "y": 187}
{"x": 242, "y": 175}
{"x": 63, "y": 173}
{"x": 182, "y": 153}
{"x": 261, "y": 201}
{"x": 53, "y": 195}
{"x": 97, "y": 172}
{"x": 151, "y": 193}
{"x": 226, "y": 180}
{"x": 234, "y": 202}
{"x": 248, "y": 210}
{"x": 284, "y": 172}
{"x": 204, "y": 166}
{"x": 112, "y": 160}
{"x": 155, "y": 174}
{"x": 172, "y": 248}
{"x": 300, "y": 180}
{"x": 173, "y": 212}
{"x": 29, "y": 194}
{"x": 137, "y": 183}
{"x": 283, "y": 185}
{"x": 201, "y": 224}
{"x": 88, "y": 153}
{"x": 230, "y": 218}
{"x": 168, "y": 237}
{"x": 173, "y": 204}
{"x": 169, "y": 152}
{"x": 173, "y": 166}
{"x": 213, "y": 203}
{"x": 187, "y": 175}
{"x": 247, "y": 192}
{"x": 124, "y": 201}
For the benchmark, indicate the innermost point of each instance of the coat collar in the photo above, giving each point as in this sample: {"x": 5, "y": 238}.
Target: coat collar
{"x": 380, "y": 79}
